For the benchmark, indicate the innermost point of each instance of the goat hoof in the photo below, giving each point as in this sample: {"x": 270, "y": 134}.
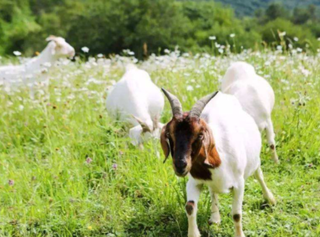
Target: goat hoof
{"x": 194, "y": 233}
{"x": 270, "y": 199}
{"x": 241, "y": 234}
{"x": 273, "y": 201}
{"x": 275, "y": 158}
{"x": 215, "y": 218}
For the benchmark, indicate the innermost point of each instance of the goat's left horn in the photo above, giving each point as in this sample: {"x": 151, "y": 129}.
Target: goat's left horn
{"x": 196, "y": 110}
{"x": 175, "y": 104}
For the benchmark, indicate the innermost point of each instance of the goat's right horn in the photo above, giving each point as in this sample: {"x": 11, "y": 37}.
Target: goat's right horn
{"x": 196, "y": 110}
{"x": 175, "y": 104}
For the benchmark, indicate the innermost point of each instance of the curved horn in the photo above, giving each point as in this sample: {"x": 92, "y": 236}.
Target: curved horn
{"x": 51, "y": 37}
{"x": 196, "y": 110}
{"x": 175, "y": 104}
{"x": 145, "y": 127}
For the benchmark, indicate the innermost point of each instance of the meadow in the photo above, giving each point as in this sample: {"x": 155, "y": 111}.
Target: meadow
{"x": 67, "y": 170}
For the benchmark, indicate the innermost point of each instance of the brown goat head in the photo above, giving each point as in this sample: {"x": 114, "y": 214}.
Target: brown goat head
{"x": 188, "y": 139}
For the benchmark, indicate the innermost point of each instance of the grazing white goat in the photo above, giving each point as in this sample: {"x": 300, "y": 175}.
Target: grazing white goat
{"x": 218, "y": 144}
{"x": 137, "y": 100}
{"x": 27, "y": 73}
{"x": 255, "y": 95}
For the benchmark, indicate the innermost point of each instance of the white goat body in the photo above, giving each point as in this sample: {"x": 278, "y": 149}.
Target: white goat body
{"x": 12, "y": 76}
{"x": 238, "y": 142}
{"x": 255, "y": 95}
{"x": 135, "y": 97}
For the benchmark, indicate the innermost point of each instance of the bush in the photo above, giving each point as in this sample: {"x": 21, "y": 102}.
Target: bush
{"x": 270, "y": 33}
{"x": 148, "y": 26}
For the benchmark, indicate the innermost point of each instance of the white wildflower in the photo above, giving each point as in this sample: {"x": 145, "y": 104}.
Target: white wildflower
{"x": 281, "y": 34}
{"x": 305, "y": 72}
{"x": 232, "y": 35}
{"x": 16, "y": 53}
{"x": 296, "y": 39}
{"x": 47, "y": 64}
{"x": 212, "y": 38}
{"x": 189, "y": 88}
{"x": 85, "y": 49}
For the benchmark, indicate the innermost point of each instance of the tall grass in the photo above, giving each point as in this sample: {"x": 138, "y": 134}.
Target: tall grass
{"x": 67, "y": 170}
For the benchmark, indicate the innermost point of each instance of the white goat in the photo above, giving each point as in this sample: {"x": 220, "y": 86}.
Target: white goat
{"x": 137, "y": 100}
{"x": 27, "y": 73}
{"x": 255, "y": 95}
{"x": 220, "y": 148}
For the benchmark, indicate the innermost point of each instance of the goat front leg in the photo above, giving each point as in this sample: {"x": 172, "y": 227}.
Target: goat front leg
{"x": 215, "y": 214}
{"x": 193, "y": 194}
{"x": 238, "y": 193}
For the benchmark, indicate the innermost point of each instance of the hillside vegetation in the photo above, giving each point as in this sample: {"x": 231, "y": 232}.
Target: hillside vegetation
{"x": 248, "y": 7}
{"x": 147, "y": 27}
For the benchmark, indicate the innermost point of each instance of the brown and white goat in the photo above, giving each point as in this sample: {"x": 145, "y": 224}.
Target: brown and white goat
{"x": 220, "y": 148}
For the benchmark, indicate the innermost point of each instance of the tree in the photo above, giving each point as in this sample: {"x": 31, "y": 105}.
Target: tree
{"x": 276, "y": 10}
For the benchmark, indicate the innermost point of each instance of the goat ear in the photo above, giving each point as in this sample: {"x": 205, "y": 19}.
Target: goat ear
{"x": 51, "y": 38}
{"x": 207, "y": 162}
{"x": 53, "y": 49}
{"x": 165, "y": 144}
{"x": 212, "y": 159}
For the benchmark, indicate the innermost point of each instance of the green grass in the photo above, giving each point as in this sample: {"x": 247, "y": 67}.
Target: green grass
{"x": 44, "y": 144}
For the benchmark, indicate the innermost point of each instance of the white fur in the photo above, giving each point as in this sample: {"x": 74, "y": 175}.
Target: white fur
{"x": 11, "y": 76}
{"x": 135, "y": 94}
{"x": 254, "y": 94}
{"x": 238, "y": 143}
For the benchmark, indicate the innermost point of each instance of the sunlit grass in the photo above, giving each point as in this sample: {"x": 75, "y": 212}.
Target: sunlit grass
{"x": 67, "y": 170}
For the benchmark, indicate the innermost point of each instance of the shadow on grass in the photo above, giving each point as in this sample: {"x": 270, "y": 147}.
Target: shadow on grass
{"x": 262, "y": 205}
{"x": 165, "y": 221}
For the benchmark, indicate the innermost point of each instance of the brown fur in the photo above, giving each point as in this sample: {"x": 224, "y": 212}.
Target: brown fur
{"x": 203, "y": 153}
{"x": 164, "y": 144}
{"x": 190, "y": 207}
{"x": 236, "y": 217}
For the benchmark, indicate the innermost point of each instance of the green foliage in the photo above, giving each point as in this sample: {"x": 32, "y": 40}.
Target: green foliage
{"x": 271, "y": 31}
{"x": 147, "y": 27}
{"x": 111, "y": 26}
{"x": 16, "y": 23}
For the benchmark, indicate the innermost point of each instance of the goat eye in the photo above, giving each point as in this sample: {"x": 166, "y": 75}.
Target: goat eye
{"x": 167, "y": 134}
{"x": 200, "y": 137}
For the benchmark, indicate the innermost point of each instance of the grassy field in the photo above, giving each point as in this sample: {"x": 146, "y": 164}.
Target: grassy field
{"x": 67, "y": 170}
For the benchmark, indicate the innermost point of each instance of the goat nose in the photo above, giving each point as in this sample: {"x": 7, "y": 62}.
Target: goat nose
{"x": 180, "y": 166}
